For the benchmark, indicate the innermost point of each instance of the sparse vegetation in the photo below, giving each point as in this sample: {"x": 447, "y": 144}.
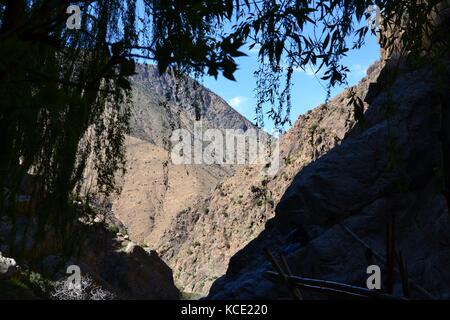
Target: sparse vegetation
{"x": 262, "y": 195}
{"x": 313, "y": 128}
{"x": 287, "y": 160}
{"x": 87, "y": 290}
{"x": 114, "y": 229}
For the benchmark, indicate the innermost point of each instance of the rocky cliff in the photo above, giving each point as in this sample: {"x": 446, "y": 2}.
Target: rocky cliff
{"x": 153, "y": 189}
{"x": 201, "y": 240}
{"x": 153, "y": 192}
{"x": 163, "y": 103}
{"x": 331, "y": 222}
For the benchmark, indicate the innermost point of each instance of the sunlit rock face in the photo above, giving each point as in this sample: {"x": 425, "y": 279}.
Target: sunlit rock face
{"x": 154, "y": 188}
{"x": 339, "y": 205}
{"x": 433, "y": 34}
{"x": 203, "y": 238}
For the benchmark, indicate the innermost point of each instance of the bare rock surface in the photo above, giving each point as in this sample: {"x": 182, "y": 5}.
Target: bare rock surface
{"x": 202, "y": 239}
{"x": 346, "y": 198}
{"x": 127, "y": 269}
{"x": 155, "y": 190}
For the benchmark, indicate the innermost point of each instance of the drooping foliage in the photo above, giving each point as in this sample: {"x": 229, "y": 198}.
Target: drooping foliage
{"x": 63, "y": 103}
{"x": 289, "y": 35}
{"x": 64, "y": 94}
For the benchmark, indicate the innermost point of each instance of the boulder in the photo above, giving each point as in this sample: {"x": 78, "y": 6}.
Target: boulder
{"x": 128, "y": 271}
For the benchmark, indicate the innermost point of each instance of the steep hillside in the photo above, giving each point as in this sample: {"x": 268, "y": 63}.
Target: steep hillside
{"x": 173, "y": 101}
{"x": 155, "y": 190}
{"x": 201, "y": 240}
{"x": 331, "y": 223}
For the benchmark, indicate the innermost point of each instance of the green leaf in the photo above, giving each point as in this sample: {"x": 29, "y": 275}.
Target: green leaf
{"x": 279, "y": 46}
{"x": 326, "y": 41}
{"x": 238, "y": 54}
{"x": 229, "y": 75}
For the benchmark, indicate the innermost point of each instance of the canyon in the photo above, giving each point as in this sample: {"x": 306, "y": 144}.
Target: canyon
{"x": 196, "y": 216}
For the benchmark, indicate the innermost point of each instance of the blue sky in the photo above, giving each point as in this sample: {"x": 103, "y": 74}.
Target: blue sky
{"x": 307, "y": 91}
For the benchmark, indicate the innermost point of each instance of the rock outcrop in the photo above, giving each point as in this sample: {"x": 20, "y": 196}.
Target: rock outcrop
{"x": 337, "y": 207}
{"x": 162, "y": 103}
{"x": 111, "y": 260}
{"x": 201, "y": 240}
{"x": 153, "y": 189}
{"x": 126, "y": 269}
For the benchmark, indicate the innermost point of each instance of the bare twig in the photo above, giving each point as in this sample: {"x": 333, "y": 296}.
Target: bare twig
{"x": 404, "y": 275}
{"x": 333, "y": 287}
{"x": 328, "y": 291}
{"x": 383, "y": 259}
{"x": 289, "y": 273}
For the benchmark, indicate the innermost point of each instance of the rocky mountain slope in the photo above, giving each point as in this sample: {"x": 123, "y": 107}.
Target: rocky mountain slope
{"x": 110, "y": 262}
{"x": 201, "y": 240}
{"x": 172, "y": 101}
{"x": 331, "y": 222}
{"x": 155, "y": 190}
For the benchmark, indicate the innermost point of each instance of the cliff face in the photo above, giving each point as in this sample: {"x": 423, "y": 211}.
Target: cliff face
{"x": 201, "y": 240}
{"x": 339, "y": 206}
{"x": 173, "y": 101}
{"x": 153, "y": 189}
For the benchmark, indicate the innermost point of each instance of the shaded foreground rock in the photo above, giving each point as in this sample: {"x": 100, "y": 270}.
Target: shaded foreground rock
{"x": 110, "y": 260}
{"x": 392, "y": 167}
{"x": 118, "y": 266}
{"x": 127, "y": 269}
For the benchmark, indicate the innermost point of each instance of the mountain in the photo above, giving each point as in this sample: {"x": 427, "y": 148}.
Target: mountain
{"x": 387, "y": 177}
{"x": 202, "y": 239}
{"x": 116, "y": 251}
{"x": 153, "y": 189}
{"x": 379, "y": 198}
{"x": 162, "y": 103}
